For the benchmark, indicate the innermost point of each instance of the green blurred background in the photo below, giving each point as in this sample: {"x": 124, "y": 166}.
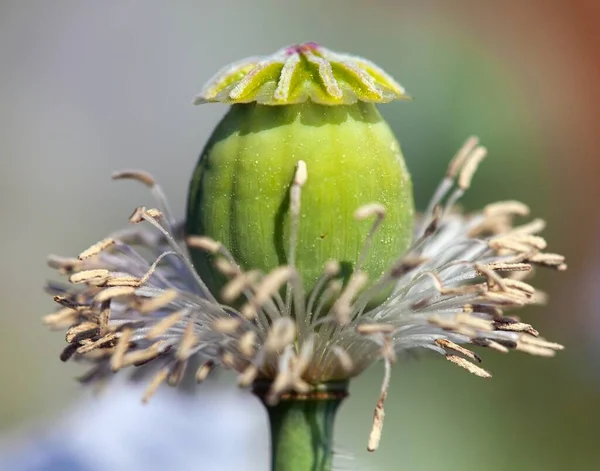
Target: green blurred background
{"x": 88, "y": 87}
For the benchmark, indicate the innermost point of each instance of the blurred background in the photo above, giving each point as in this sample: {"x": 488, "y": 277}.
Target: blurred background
{"x": 89, "y": 87}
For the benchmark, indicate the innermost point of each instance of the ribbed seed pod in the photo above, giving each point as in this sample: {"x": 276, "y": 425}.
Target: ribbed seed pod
{"x": 239, "y": 193}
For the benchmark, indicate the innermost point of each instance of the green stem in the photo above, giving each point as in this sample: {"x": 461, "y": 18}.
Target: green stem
{"x": 302, "y": 428}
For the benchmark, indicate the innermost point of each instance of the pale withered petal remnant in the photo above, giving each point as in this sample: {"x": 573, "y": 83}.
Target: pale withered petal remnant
{"x": 135, "y": 299}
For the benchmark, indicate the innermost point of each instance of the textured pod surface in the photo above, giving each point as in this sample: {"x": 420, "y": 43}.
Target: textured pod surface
{"x": 239, "y": 193}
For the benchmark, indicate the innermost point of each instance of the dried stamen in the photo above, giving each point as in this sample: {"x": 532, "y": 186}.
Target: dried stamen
{"x": 342, "y": 308}
{"x": 114, "y": 292}
{"x": 246, "y": 344}
{"x": 163, "y": 325}
{"x": 158, "y": 379}
{"x": 204, "y": 370}
{"x": 96, "y": 249}
{"x": 158, "y": 302}
{"x": 281, "y": 334}
{"x": 188, "y": 340}
{"x": 467, "y": 365}
{"x": 379, "y": 414}
{"x": 65, "y": 317}
{"x": 300, "y": 178}
{"x": 116, "y": 360}
{"x": 267, "y": 289}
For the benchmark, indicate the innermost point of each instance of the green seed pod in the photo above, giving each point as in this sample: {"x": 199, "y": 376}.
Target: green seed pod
{"x": 308, "y": 104}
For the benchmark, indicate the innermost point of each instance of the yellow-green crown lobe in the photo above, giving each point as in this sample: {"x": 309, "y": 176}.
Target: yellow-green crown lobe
{"x": 300, "y": 73}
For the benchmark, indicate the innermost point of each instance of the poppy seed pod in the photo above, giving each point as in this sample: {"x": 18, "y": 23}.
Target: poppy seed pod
{"x": 303, "y": 195}
{"x": 304, "y": 103}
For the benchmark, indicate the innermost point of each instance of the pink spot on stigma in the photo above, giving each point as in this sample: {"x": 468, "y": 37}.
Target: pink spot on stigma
{"x": 302, "y": 48}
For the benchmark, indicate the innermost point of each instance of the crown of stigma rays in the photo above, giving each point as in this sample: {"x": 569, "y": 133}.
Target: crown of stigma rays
{"x": 135, "y": 299}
